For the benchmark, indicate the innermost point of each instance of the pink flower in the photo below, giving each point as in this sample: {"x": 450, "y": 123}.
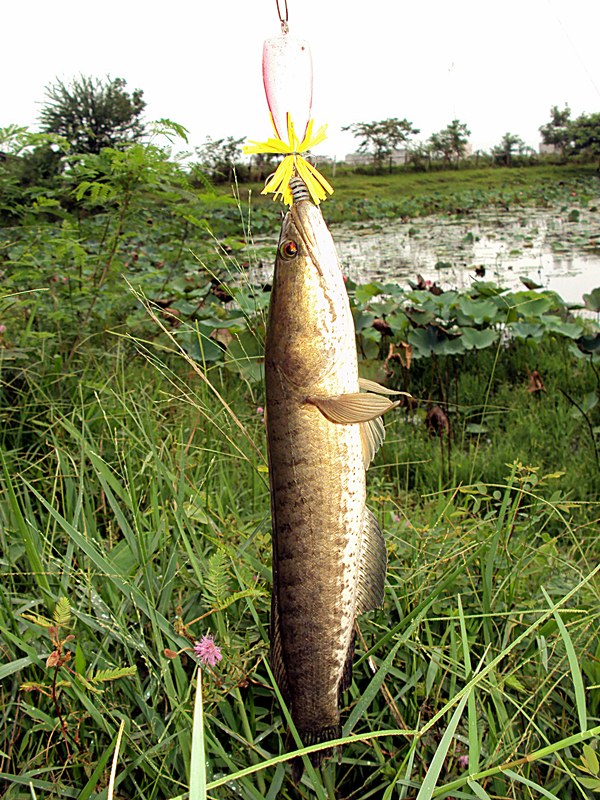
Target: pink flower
{"x": 2, "y": 328}
{"x": 207, "y": 651}
{"x": 463, "y": 761}
{"x": 260, "y": 411}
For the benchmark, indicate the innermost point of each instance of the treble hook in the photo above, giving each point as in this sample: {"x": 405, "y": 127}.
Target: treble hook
{"x": 283, "y": 18}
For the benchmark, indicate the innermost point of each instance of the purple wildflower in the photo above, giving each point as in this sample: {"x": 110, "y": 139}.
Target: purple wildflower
{"x": 207, "y": 651}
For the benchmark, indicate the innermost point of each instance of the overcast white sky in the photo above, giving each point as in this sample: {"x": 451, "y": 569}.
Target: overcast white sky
{"x": 496, "y": 66}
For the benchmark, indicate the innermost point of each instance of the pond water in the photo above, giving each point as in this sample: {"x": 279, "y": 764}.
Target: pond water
{"x": 558, "y": 249}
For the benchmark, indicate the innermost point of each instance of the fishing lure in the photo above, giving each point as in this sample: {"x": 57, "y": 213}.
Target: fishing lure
{"x": 288, "y": 81}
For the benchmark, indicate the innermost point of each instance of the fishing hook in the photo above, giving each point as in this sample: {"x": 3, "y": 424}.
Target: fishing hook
{"x": 283, "y": 18}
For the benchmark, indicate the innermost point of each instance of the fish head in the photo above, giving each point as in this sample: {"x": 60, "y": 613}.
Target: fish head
{"x": 310, "y": 318}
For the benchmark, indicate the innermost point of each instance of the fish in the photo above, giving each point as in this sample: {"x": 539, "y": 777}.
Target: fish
{"x": 323, "y": 429}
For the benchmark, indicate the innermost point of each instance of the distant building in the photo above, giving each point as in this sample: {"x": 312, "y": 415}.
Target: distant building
{"x": 362, "y": 159}
{"x": 319, "y": 159}
{"x": 548, "y": 149}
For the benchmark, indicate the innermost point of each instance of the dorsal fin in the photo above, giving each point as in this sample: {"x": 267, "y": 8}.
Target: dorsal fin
{"x": 276, "y": 652}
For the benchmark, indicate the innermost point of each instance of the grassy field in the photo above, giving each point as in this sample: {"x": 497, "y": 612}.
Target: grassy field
{"x": 405, "y": 193}
{"x": 134, "y": 520}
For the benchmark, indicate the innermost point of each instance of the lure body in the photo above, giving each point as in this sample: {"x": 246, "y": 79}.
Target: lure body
{"x": 288, "y": 81}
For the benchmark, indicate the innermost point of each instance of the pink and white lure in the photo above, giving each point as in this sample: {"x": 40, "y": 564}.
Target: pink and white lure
{"x": 288, "y": 81}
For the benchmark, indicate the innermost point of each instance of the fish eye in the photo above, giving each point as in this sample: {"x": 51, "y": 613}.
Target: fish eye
{"x": 288, "y": 249}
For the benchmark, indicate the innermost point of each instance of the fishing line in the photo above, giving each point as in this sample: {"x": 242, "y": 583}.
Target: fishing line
{"x": 575, "y": 49}
{"x": 283, "y": 18}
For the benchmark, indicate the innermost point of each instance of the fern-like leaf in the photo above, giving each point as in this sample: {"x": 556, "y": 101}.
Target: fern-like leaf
{"x": 38, "y": 620}
{"x": 232, "y": 598}
{"x": 216, "y": 588}
{"x": 62, "y": 612}
{"x": 104, "y": 675}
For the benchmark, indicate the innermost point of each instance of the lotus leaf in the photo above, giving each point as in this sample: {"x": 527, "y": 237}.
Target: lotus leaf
{"x": 486, "y": 289}
{"x": 592, "y": 300}
{"x": 587, "y": 403}
{"x": 418, "y": 316}
{"x": 433, "y": 340}
{"x": 198, "y": 345}
{"x": 367, "y": 291}
{"x": 523, "y": 330}
{"x": 245, "y": 354}
{"x": 589, "y": 344}
{"x": 569, "y": 329}
{"x": 474, "y": 339}
{"x": 477, "y": 311}
{"x": 362, "y": 319}
{"x": 250, "y": 300}
{"x": 533, "y": 304}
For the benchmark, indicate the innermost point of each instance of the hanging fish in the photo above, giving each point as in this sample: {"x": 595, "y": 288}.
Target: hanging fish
{"x": 329, "y": 557}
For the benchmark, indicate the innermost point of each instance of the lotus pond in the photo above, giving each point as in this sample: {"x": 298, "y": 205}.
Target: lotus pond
{"x": 557, "y": 248}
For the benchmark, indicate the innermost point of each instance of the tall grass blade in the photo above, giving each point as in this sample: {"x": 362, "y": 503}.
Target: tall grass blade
{"x": 437, "y": 762}
{"x": 115, "y": 761}
{"x": 576, "y": 676}
{"x": 92, "y": 783}
{"x": 372, "y": 689}
{"x": 531, "y": 784}
{"x": 478, "y": 790}
{"x": 198, "y": 757}
{"x": 32, "y": 541}
{"x": 471, "y": 705}
{"x": 530, "y": 758}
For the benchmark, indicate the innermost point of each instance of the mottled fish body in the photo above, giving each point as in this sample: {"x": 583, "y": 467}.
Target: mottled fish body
{"x": 329, "y": 556}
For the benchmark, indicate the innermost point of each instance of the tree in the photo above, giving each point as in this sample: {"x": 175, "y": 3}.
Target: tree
{"x": 509, "y": 144}
{"x": 585, "y": 133}
{"x": 451, "y": 142}
{"x": 558, "y": 131}
{"x": 92, "y": 114}
{"x": 419, "y": 155}
{"x": 29, "y": 166}
{"x": 381, "y": 138}
{"x": 219, "y": 157}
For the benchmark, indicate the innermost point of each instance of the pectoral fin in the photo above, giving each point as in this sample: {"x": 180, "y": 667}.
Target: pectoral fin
{"x": 371, "y": 386}
{"x": 351, "y": 408}
{"x": 365, "y": 408}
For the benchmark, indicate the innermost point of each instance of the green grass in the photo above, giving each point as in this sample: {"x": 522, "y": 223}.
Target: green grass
{"x": 136, "y": 497}
{"x": 403, "y": 193}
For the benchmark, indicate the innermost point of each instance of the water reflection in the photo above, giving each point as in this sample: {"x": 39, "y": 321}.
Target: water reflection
{"x": 559, "y": 250}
